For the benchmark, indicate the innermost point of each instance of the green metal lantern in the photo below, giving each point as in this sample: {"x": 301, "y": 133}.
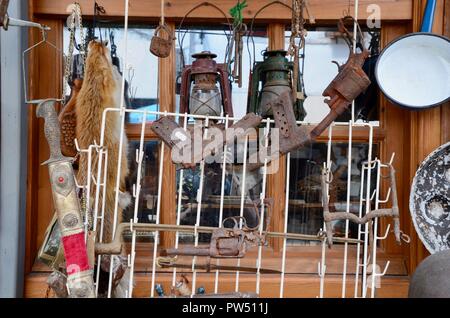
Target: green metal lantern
{"x": 274, "y": 76}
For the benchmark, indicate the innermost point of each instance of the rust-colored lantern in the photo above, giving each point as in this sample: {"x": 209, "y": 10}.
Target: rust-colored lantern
{"x": 204, "y": 97}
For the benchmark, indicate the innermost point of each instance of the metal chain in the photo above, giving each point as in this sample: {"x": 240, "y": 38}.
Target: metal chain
{"x": 75, "y": 18}
{"x": 298, "y": 31}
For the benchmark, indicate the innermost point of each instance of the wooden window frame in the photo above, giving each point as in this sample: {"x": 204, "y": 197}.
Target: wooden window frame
{"x": 411, "y": 135}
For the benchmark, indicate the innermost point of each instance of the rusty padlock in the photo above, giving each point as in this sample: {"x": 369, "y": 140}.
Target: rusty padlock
{"x": 159, "y": 46}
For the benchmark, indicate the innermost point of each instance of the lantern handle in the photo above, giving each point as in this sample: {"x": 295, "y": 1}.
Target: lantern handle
{"x": 185, "y": 90}
{"x": 181, "y": 38}
{"x": 252, "y": 24}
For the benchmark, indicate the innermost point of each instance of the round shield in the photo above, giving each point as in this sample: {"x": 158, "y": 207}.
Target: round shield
{"x": 414, "y": 70}
{"x": 429, "y": 202}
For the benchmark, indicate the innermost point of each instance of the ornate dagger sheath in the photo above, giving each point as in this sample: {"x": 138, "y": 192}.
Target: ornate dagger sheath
{"x": 80, "y": 280}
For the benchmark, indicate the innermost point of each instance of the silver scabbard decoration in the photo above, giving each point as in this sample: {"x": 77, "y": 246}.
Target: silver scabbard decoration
{"x": 80, "y": 280}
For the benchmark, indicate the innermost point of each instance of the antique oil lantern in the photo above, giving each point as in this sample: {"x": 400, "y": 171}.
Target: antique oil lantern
{"x": 274, "y": 75}
{"x": 205, "y": 97}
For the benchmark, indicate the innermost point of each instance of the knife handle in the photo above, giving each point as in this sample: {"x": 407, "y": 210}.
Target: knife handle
{"x": 46, "y": 110}
{"x": 4, "y": 12}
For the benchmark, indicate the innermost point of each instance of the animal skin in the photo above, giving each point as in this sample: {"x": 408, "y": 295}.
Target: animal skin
{"x": 102, "y": 89}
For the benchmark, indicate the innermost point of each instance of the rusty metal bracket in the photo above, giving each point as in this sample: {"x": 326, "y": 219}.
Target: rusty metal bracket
{"x": 330, "y": 217}
{"x": 227, "y": 242}
{"x": 344, "y": 89}
{"x": 174, "y": 135}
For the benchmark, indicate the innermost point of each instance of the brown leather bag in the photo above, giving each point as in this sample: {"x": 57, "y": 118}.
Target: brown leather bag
{"x": 68, "y": 122}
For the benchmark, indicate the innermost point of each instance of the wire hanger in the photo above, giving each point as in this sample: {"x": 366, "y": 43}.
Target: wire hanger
{"x": 24, "y": 74}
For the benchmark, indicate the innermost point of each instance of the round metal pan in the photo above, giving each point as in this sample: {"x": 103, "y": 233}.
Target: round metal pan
{"x": 414, "y": 71}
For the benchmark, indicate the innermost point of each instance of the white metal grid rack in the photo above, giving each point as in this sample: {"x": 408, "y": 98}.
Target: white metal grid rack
{"x": 96, "y": 184}
{"x": 367, "y": 198}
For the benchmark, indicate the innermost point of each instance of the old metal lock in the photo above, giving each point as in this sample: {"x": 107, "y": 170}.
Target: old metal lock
{"x": 274, "y": 75}
{"x": 160, "y": 46}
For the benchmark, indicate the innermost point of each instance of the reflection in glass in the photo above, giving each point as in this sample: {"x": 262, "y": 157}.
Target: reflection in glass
{"x": 323, "y": 47}
{"x": 148, "y": 200}
{"x": 141, "y": 90}
{"x": 198, "y": 39}
{"x": 305, "y": 193}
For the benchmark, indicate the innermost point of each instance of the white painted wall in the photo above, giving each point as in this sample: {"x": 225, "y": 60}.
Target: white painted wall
{"x": 13, "y": 157}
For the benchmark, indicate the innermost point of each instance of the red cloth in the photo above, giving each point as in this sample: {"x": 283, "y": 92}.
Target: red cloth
{"x": 76, "y": 254}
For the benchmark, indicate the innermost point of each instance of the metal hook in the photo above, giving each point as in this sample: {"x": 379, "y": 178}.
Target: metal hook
{"x": 321, "y": 269}
{"x": 384, "y": 271}
{"x": 405, "y": 237}
{"x": 385, "y": 235}
{"x": 134, "y": 190}
{"x": 387, "y": 197}
{"x": 373, "y": 195}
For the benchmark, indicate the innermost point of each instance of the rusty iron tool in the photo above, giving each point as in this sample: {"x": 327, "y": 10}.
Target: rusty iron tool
{"x": 175, "y": 136}
{"x": 166, "y": 262}
{"x": 228, "y": 242}
{"x": 392, "y": 212}
{"x": 344, "y": 89}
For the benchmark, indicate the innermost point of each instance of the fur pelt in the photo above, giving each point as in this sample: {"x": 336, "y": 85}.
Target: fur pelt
{"x": 102, "y": 89}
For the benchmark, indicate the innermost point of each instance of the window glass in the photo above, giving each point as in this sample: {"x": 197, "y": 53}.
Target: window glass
{"x": 142, "y": 80}
{"x": 198, "y": 39}
{"x": 148, "y": 200}
{"x": 322, "y": 48}
{"x": 305, "y": 192}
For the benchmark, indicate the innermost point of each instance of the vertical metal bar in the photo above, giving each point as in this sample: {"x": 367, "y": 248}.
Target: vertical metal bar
{"x": 222, "y": 194}
{"x": 262, "y": 198}
{"x": 158, "y": 214}
{"x": 322, "y": 265}
{"x": 199, "y": 210}
{"x": 102, "y": 213}
{"x": 180, "y": 196}
{"x": 358, "y": 245}
{"x": 366, "y": 226}
{"x": 137, "y": 194}
{"x": 286, "y": 217}
{"x": 87, "y": 188}
{"x": 347, "y": 222}
{"x": 375, "y": 230}
{"x": 243, "y": 182}
{"x": 122, "y": 133}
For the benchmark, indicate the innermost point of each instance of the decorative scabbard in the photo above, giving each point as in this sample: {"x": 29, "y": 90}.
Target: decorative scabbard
{"x": 80, "y": 280}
